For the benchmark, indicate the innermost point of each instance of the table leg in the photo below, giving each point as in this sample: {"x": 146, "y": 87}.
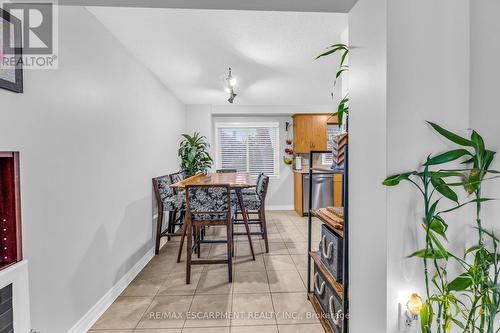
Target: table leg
{"x": 245, "y": 219}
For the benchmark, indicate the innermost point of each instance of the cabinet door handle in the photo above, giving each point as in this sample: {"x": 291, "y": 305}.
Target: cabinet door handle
{"x": 327, "y": 253}
{"x": 320, "y": 290}
{"x": 335, "y": 316}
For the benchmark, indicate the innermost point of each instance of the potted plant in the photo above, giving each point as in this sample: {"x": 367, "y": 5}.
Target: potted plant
{"x": 194, "y": 154}
{"x": 469, "y": 300}
{"x": 343, "y": 49}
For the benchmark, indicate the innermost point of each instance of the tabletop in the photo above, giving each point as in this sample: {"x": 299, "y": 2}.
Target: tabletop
{"x": 235, "y": 180}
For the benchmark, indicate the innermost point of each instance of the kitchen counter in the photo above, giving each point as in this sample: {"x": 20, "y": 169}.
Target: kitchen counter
{"x": 306, "y": 170}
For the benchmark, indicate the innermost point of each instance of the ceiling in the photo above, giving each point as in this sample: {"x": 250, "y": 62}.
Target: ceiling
{"x": 333, "y": 6}
{"x": 272, "y": 53}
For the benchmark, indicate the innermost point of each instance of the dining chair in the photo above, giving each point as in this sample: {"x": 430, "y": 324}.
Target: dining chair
{"x": 167, "y": 202}
{"x": 177, "y": 177}
{"x": 254, "y": 200}
{"x": 178, "y": 219}
{"x": 208, "y": 205}
{"x": 226, "y": 171}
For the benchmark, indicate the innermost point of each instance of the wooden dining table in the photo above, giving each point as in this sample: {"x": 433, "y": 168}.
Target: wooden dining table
{"x": 236, "y": 181}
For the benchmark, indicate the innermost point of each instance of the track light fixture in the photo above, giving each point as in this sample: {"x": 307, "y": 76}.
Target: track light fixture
{"x": 230, "y": 84}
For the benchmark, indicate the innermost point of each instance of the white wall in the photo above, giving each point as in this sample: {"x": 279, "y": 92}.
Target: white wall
{"x": 91, "y": 134}
{"x": 200, "y": 118}
{"x": 428, "y": 79}
{"x": 484, "y": 102}
{"x": 425, "y": 48}
{"x": 367, "y": 166}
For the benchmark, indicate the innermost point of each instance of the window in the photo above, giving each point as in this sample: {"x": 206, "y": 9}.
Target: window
{"x": 248, "y": 147}
{"x": 333, "y": 130}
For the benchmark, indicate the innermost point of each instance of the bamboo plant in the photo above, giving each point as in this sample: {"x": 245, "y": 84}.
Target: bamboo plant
{"x": 343, "y": 50}
{"x": 471, "y": 300}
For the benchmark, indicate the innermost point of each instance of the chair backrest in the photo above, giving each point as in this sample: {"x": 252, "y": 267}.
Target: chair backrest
{"x": 262, "y": 185}
{"x": 226, "y": 171}
{"x": 177, "y": 177}
{"x": 208, "y": 202}
{"x": 162, "y": 187}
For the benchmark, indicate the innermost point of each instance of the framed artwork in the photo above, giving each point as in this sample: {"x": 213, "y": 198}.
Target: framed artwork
{"x": 11, "y": 67}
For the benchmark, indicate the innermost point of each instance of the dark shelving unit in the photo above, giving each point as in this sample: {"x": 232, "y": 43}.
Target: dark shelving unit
{"x": 341, "y": 288}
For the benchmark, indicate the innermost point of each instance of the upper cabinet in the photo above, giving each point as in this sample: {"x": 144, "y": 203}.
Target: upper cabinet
{"x": 310, "y": 131}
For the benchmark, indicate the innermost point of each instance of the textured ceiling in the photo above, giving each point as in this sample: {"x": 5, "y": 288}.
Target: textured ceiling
{"x": 271, "y": 53}
{"x": 332, "y": 6}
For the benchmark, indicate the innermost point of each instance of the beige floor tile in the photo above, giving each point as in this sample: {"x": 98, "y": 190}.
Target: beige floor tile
{"x": 275, "y": 248}
{"x": 147, "y": 283}
{"x": 303, "y": 276}
{"x": 250, "y": 283}
{"x": 253, "y": 309}
{"x": 156, "y": 330}
{"x": 111, "y": 331}
{"x": 243, "y": 247}
{"x": 176, "y": 267}
{"x": 210, "y": 283}
{"x": 285, "y": 281}
{"x": 166, "y": 312}
{"x": 161, "y": 264}
{"x": 206, "y": 330}
{"x": 247, "y": 264}
{"x": 218, "y": 250}
{"x": 124, "y": 313}
{"x": 279, "y": 263}
{"x": 273, "y": 238}
{"x": 254, "y": 329}
{"x": 214, "y": 282}
{"x": 297, "y": 247}
{"x": 175, "y": 284}
{"x": 300, "y": 261}
{"x": 293, "y": 303}
{"x": 301, "y": 328}
{"x": 210, "y": 310}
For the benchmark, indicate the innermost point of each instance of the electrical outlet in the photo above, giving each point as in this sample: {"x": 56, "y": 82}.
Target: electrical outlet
{"x": 407, "y": 321}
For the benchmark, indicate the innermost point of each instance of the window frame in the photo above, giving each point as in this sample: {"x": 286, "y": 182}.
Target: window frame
{"x": 250, "y": 124}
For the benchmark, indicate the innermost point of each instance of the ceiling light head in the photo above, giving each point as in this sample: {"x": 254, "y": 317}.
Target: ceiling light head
{"x": 232, "y": 95}
{"x": 231, "y": 83}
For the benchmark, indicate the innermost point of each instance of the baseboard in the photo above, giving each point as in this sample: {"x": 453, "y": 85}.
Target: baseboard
{"x": 279, "y": 207}
{"x": 86, "y": 322}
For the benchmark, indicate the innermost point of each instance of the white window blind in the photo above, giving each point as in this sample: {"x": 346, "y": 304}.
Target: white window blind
{"x": 248, "y": 147}
{"x": 333, "y": 130}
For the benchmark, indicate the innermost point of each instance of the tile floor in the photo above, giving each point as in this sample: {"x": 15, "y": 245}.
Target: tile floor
{"x": 267, "y": 295}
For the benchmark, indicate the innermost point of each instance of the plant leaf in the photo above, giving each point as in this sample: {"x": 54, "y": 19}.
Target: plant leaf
{"x": 478, "y": 142}
{"x": 440, "y": 250}
{"x": 441, "y": 186}
{"x": 428, "y": 255}
{"x": 448, "y": 156}
{"x": 439, "y": 226}
{"x": 451, "y": 136}
{"x": 466, "y": 203}
{"x": 460, "y": 283}
{"x": 396, "y": 179}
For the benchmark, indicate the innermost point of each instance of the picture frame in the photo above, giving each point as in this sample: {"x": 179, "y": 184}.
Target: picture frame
{"x": 11, "y": 75}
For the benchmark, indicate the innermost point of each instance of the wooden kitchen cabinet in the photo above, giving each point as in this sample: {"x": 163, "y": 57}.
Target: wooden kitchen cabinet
{"x": 310, "y": 131}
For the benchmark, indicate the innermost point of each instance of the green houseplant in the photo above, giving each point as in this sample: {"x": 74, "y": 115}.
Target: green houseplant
{"x": 194, "y": 154}
{"x": 343, "y": 50}
{"x": 470, "y": 301}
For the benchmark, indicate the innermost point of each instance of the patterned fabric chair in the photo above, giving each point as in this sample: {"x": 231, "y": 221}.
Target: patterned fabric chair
{"x": 177, "y": 177}
{"x": 208, "y": 205}
{"x": 168, "y": 202}
{"x": 254, "y": 200}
